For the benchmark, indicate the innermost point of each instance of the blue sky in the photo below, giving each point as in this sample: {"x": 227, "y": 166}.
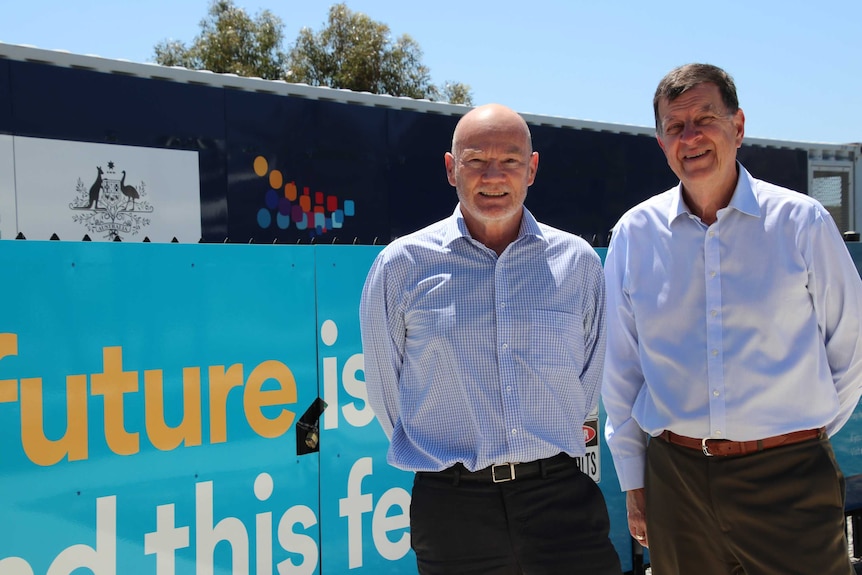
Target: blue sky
{"x": 798, "y": 67}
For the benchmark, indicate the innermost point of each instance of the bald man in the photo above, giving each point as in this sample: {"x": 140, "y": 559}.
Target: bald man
{"x": 484, "y": 338}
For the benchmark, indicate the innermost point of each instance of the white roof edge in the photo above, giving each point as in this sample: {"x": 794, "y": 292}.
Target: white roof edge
{"x": 96, "y": 63}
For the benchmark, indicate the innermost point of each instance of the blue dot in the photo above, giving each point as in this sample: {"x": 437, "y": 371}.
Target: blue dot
{"x": 349, "y": 208}
{"x": 264, "y": 218}
{"x": 283, "y": 221}
{"x": 271, "y": 199}
{"x": 337, "y": 218}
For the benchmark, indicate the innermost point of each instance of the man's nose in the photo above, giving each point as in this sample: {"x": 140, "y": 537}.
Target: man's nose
{"x": 493, "y": 169}
{"x": 690, "y": 131}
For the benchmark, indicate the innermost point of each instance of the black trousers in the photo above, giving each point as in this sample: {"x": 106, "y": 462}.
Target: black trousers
{"x": 556, "y": 524}
{"x": 778, "y": 511}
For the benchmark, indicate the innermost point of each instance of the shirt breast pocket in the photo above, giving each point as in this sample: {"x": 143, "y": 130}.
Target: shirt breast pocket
{"x": 430, "y": 327}
{"x": 557, "y": 339}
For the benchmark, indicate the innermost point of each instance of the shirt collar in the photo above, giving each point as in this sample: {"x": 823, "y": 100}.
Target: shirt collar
{"x": 455, "y": 227}
{"x": 743, "y": 199}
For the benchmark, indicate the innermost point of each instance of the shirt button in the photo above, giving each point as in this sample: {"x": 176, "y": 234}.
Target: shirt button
{"x": 514, "y": 432}
{"x": 712, "y": 274}
{"x": 711, "y": 234}
{"x": 715, "y": 393}
{"x": 714, "y": 352}
{"x": 502, "y": 304}
{"x": 713, "y": 313}
{"x": 717, "y": 432}
{"x": 505, "y": 346}
{"x": 508, "y": 388}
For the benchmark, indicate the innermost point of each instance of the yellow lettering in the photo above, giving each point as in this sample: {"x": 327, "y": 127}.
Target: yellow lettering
{"x": 8, "y": 387}
{"x": 40, "y": 449}
{"x": 188, "y": 431}
{"x": 221, "y": 382}
{"x": 113, "y": 383}
{"x": 254, "y": 398}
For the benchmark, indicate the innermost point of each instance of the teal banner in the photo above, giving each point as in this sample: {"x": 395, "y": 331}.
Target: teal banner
{"x": 183, "y": 409}
{"x": 148, "y": 400}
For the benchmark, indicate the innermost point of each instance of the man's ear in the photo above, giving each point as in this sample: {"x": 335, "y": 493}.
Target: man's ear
{"x": 449, "y": 159}
{"x": 534, "y": 167}
{"x": 739, "y": 122}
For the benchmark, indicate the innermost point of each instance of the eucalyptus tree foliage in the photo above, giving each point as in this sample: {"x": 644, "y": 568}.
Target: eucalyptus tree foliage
{"x": 231, "y": 42}
{"x": 351, "y": 51}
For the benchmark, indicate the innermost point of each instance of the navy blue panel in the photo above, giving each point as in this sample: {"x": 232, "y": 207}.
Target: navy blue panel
{"x": 420, "y": 192}
{"x": 788, "y": 168}
{"x": 5, "y": 99}
{"x": 327, "y": 149}
{"x": 587, "y": 180}
{"x": 65, "y": 103}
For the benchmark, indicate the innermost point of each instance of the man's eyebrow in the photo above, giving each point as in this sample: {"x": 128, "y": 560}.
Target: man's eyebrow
{"x": 705, "y": 108}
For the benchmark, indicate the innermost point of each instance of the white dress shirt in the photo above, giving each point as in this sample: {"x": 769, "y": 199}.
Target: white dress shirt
{"x": 480, "y": 359}
{"x": 743, "y": 329}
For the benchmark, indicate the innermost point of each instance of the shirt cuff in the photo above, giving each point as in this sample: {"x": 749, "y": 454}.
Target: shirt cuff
{"x": 630, "y": 472}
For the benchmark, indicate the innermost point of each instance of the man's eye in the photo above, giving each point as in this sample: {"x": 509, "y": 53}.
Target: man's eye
{"x": 673, "y": 129}
{"x": 705, "y": 120}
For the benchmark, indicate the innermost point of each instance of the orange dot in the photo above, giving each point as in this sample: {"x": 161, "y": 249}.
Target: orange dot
{"x": 260, "y": 166}
{"x": 290, "y": 191}
{"x": 275, "y": 179}
{"x": 305, "y": 203}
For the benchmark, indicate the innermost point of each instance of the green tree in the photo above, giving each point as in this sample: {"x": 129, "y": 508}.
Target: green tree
{"x": 231, "y": 42}
{"x": 357, "y": 53}
{"x": 352, "y": 52}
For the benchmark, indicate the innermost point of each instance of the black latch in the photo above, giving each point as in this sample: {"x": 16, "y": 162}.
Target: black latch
{"x": 308, "y": 428}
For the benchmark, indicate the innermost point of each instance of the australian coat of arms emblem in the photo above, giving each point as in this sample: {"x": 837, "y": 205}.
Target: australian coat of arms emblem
{"x": 112, "y": 206}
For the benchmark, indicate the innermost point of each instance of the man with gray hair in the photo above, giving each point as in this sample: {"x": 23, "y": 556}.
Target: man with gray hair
{"x": 734, "y": 352}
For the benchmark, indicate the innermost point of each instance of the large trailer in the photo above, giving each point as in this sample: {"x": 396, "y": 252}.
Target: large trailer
{"x": 170, "y": 152}
{"x": 201, "y": 408}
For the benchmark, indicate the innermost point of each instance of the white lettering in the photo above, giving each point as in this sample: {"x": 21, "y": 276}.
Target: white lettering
{"x": 353, "y": 506}
{"x": 330, "y": 392}
{"x": 103, "y": 559}
{"x": 15, "y": 566}
{"x": 229, "y": 529}
{"x": 382, "y": 523}
{"x": 297, "y": 542}
{"x": 263, "y": 486}
{"x": 165, "y": 540}
{"x": 356, "y": 388}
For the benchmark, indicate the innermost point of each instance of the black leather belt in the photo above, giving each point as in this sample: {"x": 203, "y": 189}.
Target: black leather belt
{"x": 503, "y": 472}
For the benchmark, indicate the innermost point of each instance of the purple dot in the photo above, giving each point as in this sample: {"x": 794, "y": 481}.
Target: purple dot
{"x": 297, "y": 214}
{"x": 284, "y": 207}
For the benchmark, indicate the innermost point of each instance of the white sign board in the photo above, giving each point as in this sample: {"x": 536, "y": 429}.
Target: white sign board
{"x": 106, "y": 191}
{"x": 7, "y": 188}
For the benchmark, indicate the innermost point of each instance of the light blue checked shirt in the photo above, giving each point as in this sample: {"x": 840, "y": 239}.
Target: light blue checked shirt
{"x": 480, "y": 359}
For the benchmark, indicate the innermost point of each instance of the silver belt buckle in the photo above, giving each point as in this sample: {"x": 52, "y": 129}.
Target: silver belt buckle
{"x": 705, "y": 447}
{"x": 511, "y": 476}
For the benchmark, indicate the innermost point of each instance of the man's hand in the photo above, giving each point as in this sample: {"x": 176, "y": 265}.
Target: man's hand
{"x": 636, "y": 508}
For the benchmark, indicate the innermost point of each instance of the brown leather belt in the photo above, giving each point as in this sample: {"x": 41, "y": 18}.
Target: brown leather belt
{"x": 723, "y": 447}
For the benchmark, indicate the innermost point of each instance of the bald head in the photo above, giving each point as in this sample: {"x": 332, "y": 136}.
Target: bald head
{"x": 490, "y": 118}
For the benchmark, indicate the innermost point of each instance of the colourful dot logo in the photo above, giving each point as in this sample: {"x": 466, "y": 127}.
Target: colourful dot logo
{"x": 318, "y": 213}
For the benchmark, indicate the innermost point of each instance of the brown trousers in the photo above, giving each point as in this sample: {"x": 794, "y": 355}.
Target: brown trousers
{"x": 779, "y": 511}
